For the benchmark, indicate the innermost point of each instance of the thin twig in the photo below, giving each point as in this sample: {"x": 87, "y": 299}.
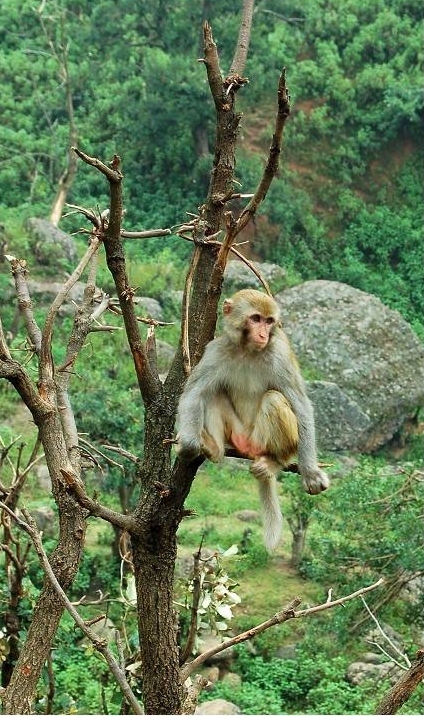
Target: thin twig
{"x": 125, "y": 522}
{"x": 195, "y": 599}
{"x": 19, "y": 272}
{"x": 282, "y": 616}
{"x": 121, "y": 451}
{"x": 387, "y": 638}
{"x": 148, "y": 234}
{"x": 100, "y": 645}
{"x": 46, "y": 360}
{"x": 92, "y": 447}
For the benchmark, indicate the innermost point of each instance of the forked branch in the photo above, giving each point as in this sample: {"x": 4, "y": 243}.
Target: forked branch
{"x": 278, "y": 618}
{"x": 29, "y": 526}
{"x": 272, "y": 164}
{"x": 148, "y": 379}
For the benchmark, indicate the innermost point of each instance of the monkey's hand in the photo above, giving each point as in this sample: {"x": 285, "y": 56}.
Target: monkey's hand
{"x": 315, "y": 480}
{"x": 188, "y": 449}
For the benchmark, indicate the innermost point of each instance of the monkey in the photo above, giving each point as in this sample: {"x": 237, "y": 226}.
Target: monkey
{"x": 247, "y": 393}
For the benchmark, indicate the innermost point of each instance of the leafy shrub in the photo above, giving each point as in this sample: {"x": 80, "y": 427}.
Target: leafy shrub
{"x": 305, "y": 684}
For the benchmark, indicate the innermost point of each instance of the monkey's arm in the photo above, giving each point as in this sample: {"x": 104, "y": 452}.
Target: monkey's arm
{"x": 291, "y": 384}
{"x": 198, "y": 392}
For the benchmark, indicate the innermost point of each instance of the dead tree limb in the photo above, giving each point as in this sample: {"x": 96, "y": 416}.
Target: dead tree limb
{"x": 284, "y": 615}
{"x": 28, "y": 525}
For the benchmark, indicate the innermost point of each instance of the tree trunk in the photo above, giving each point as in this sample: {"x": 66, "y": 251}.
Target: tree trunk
{"x": 162, "y": 687}
{"x": 297, "y": 547}
{"x": 65, "y": 559}
{"x": 154, "y": 548}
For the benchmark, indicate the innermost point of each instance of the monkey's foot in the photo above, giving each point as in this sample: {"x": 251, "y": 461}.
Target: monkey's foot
{"x": 315, "y": 481}
{"x": 265, "y": 467}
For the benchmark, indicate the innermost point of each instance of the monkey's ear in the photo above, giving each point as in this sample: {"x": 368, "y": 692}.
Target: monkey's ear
{"x": 227, "y": 306}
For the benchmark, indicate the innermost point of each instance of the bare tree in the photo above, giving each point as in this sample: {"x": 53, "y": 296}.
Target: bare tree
{"x": 164, "y": 481}
{"x": 59, "y": 49}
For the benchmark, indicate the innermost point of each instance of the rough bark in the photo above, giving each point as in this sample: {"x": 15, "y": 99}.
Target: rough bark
{"x": 49, "y": 404}
{"x": 65, "y": 560}
{"x": 402, "y": 690}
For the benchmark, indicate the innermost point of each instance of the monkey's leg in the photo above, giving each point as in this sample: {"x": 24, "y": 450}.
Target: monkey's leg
{"x": 220, "y": 420}
{"x": 276, "y": 432}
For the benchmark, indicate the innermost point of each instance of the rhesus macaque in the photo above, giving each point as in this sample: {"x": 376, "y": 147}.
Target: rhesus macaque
{"x": 247, "y": 392}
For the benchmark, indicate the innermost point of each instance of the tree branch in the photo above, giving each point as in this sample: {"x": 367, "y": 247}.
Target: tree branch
{"x": 112, "y": 173}
{"x": 211, "y": 61}
{"x": 402, "y": 690}
{"x": 46, "y": 359}
{"x": 99, "y": 644}
{"x": 148, "y": 234}
{"x": 240, "y": 55}
{"x": 19, "y": 272}
{"x": 194, "y": 607}
{"x": 148, "y": 381}
{"x": 125, "y": 522}
{"x": 273, "y": 157}
{"x": 282, "y": 616}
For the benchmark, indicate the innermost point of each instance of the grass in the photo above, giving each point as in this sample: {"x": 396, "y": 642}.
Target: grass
{"x": 266, "y": 583}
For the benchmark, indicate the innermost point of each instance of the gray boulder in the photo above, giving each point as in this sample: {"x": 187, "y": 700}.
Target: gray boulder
{"x": 51, "y": 246}
{"x": 340, "y": 419}
{"x": 150, "y": 306}
{"x": 44, "y": 518}
{"x": 217, "y": 706}
{"x": 44, "y": 292}
{"x": 238, "y": 275}
{"x": 359, "y": 671}
{"x": 349, "y": 339}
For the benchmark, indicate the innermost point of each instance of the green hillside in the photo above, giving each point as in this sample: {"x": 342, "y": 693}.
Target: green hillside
{"x": 348, "y": 202}
{"x": 125, "y": 78}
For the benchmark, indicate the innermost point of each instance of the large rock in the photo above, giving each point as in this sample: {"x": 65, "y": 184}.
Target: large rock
{"x": 360, "y": 671}
{"x": 339, "y": 419}
{"x": 216, "y": 707}
{"x": 52, "y": 247}
{"x": 238, "y": 275}
{"x": 44, "y": 293}
{"x": 368, "y": 353}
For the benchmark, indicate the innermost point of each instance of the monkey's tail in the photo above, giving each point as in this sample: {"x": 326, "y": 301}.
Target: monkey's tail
{"x": 271, "y": 512}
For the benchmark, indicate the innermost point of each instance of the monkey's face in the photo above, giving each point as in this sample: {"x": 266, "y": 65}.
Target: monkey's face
{"x": 250, "y": 319}
{"x": 258, "y": 329}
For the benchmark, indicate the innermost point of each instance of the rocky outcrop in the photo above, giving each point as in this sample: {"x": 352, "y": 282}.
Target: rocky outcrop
{"x": 217, "y": 706}
{"x": 238, "y": 275}
{"x": 52, "y": 247}
{"x": 339, "y": 418}
{"x": 367, "y": 354}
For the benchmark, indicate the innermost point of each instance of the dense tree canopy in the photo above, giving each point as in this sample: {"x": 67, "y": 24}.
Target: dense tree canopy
{"x": 354, "y": 153}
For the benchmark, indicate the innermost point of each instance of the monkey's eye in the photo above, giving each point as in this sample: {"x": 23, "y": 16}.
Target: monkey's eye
{"x": 270, "y": 320}
{"x": 256, "y": 318}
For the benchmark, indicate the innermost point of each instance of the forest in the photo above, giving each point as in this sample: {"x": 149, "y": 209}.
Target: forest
{"x": 127, "y": 80}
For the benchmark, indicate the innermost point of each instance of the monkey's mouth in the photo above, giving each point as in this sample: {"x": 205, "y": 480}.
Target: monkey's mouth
{"x": 259, "y": 343}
